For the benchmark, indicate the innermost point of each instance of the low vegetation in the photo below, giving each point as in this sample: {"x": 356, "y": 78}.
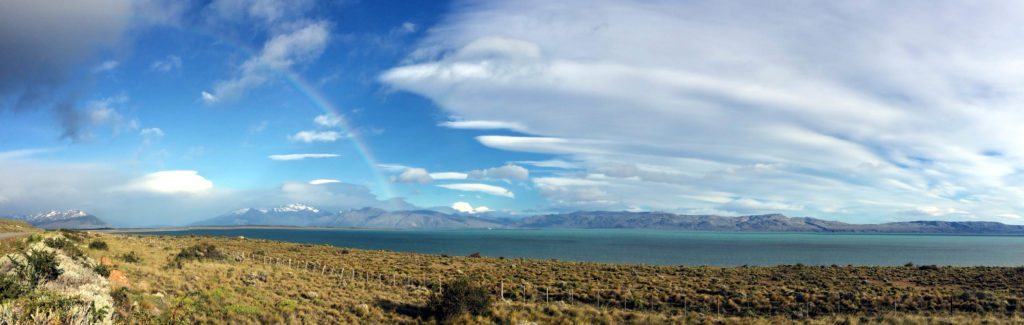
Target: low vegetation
{"x": 16, "y": 226}
{"x": 98, "y": 245}
{"x": 130, "y": 257}
{"x": 234, "y": 280}
{"x": 199, "y": 252}
{"x": 49, "y": 280}
{"x": 459, "y": 297}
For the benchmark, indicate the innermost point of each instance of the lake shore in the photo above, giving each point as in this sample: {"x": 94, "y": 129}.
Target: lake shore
{"x": 659, "y": 247}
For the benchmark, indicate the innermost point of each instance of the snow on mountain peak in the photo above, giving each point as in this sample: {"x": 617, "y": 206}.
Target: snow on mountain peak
{"x": 296, "y": 207}
{"x": 56, "y": 215}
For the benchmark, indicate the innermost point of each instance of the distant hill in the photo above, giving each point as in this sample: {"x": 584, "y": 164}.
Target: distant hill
{"x": 306, "y": 216}
{"x": 377, "y": 218}
{"x": 299, "y": 215}
{"x": 70, "y": 219}
{"x": 766, "y": 222}
{"x": 10, "y": 225}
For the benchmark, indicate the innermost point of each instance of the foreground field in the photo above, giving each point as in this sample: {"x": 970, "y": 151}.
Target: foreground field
{"x": 155, "y": 279}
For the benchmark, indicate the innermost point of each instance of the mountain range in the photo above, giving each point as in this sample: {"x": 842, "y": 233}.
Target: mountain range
{"x": 306, "y": 216}
{"x": 70, "y": 219}
{"x": 764, "y": 223}
{"x": 300, "y": 215}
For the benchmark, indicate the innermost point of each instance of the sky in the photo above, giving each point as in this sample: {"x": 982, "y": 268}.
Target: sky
{"x": 157, "y": 112}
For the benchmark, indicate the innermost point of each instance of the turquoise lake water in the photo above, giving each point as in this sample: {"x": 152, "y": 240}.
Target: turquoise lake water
{"x": 666, "y": 247}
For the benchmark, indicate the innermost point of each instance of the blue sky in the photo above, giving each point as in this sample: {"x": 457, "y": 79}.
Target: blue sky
{"x": 166, "y": 112}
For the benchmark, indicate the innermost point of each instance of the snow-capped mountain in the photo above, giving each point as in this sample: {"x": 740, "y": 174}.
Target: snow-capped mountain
{"x": 304, "y": 215}
{"x": 70, "y": 219}
{"x": 294, "y": 214}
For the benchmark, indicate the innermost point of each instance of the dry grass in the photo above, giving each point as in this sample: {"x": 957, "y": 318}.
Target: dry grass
{"x": 278, "y": 282}
{"x": 8, "y": 225}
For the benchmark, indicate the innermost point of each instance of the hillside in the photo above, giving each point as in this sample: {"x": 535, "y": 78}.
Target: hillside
{"x": 767, "y": 223}
{"x": 306, "y": 216}
{"x": 161, "y": 279}
{"x": 70, "y": 219}
{"x": 377, "y": 218}
{"x": 16, "y": 226}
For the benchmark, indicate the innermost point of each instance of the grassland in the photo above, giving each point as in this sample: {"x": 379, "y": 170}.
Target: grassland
{"x": 158, "y": 279}
{"x": 16, "y": 226}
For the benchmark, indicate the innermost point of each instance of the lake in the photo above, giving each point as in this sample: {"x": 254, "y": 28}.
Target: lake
{"x": 664, "y": 247}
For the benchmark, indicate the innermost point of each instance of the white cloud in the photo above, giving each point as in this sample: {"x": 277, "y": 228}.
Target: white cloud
{"x": 208, "y": 97}
{"x": 301, "y": 156}
{"x": 105, "y": 66}
{"x": 413, "y": 175}
{"x": 465, "y": 207}
{"x": 422, "y": 176}
{"x": 409, "y": 27}
{"x": 482, "y": 188}
{"x": 169, "y": 182}
{"x": 855, "y": 112}
{"x": 448, "y": 175}
{"x": 393, "y": 167}
{"x": 78, "y": 124}
{"x": 303, "y": 44}
{"x": 327, "y": 120}
{"x": 483, "y": 125}
{"x": 310, "y": 136}
{"x": 553, "y": 163}
{"x": 509, "y": 172}
{"x": 323, "y": 181}
{"x": 23, "y": 153}
{"x": 152, "y": 132}
{"x": 171, "y": 62}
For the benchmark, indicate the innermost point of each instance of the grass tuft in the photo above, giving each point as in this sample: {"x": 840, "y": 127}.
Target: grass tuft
{"x": 98, "y": 245}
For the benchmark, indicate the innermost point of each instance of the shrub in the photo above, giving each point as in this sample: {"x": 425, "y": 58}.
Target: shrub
{"x": 130, "y": 257}
{"x": 10, "y": 288}
{"x": 58, "y": 242}
{"x": 457, "y": 297}
{"x": 200, "y": 252}
{"x": 65, "y": 245}
{"x": 33, "y": 238}
{"x": 39, "y": 266}
{"x": 98, "y": 245}
{"x": 75, "y": 235}
{"x": 102, "y": 270}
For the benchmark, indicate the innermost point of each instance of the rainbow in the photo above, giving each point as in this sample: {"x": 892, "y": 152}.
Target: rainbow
{"x": 357, "y": 141}
{"x": 320, "y": 101}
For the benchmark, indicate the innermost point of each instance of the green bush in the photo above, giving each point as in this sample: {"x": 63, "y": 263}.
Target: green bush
{"x": 458, "y": 297}
{"x": 130, "y": 257}
{"x": 65, "y": 245}
{"x": 39, "y": 266}
{"x": 200, "y": 252}
{"x": 75, "y": 235}
{"x": 58, "y": 242}
{"x": 98, "y": 245}
{"x": 102, "y": 270}
{"x": 33, "y": 238}
{"x": 10, "y": 288}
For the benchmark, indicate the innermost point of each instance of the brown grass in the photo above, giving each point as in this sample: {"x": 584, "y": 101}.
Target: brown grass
{"x": 275, "y": 282}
